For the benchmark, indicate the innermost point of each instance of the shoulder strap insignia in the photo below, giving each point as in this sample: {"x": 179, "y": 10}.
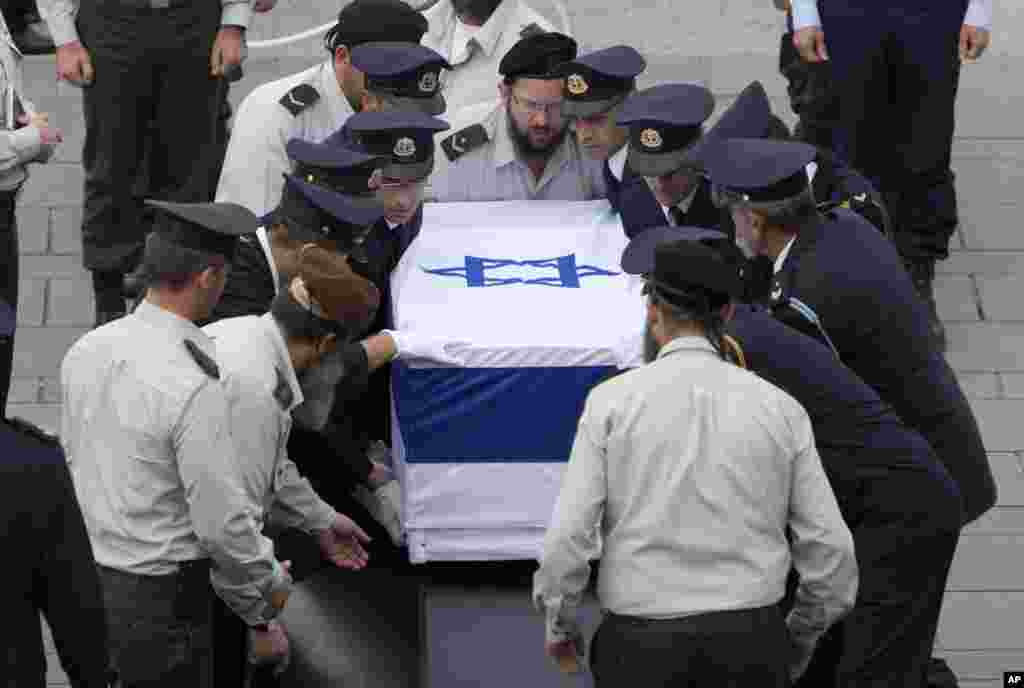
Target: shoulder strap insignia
{"x": 464, "y": 141}
{"x": 283, "y": 391}
{"x": 531, "y": 30}
{"x": 202, "y": 359}
{"x": 299, "y": 98}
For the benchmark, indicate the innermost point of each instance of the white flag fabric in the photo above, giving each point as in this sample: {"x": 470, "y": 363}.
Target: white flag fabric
{"x": 537, "y": 290}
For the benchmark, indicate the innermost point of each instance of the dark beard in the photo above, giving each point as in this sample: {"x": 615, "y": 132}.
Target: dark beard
{"x": 651, "y": 346}
{"x": 521, "y": 139}
{"x": 481, "y": 10}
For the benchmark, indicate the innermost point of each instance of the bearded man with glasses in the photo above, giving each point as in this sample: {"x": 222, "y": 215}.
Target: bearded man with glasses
{"x": 519, "y": 149}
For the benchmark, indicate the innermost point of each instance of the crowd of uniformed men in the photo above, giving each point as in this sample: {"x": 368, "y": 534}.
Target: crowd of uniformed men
{"x": 791, "y": 415}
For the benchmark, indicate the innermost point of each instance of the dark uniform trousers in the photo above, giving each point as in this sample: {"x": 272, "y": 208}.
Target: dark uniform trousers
{"x": 900, "y": 503}
{"x": 8, "y": 286}
{"x": 811, "y": 95}
{"x": 152, "y": 66}
{"x": 845, "y": 270}
{"x": 727, "y": 649}
{"x": 161, "y": 627}
{"x": 896, "y": 67}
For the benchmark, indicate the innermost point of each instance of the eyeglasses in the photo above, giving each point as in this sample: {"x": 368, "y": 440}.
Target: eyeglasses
{"x": 553, "y": 110}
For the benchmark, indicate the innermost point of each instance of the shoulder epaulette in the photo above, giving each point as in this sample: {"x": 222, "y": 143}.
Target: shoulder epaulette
{"x": 202, "y": 359}
{"x": 298, "y": 98}
{"x": 464, "y": 141}
{"x": 531, "y": 30}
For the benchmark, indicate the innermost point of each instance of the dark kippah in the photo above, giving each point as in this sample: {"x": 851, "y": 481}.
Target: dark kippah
{"x": 365, "y": 21}
{"x": 538, "y": 57}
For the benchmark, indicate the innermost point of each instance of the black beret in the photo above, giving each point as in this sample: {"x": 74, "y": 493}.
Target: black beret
{"x": 208, "y": 227}
{"x": 677, "y": 263}
{"x": 363, "y": 21}
{"x": 538, "y": 56}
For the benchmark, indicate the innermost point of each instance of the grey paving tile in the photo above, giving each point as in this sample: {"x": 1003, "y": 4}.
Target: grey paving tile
{"x": 1009, "y": 477}
{"x": 46, "y": 416}
{"x": 70, "y": 303}
{"x": 998, "y": 521}
{"x": 984, "y": 667}
{"x": 66, "y": 230}
{"x": 955, "y": 298}
{"x": 982, "y": 263}
{"x": 54, "y": 184}
{"x": 981, "y": 385}
{"x": 986, "y": 346}
{"x": 33, "y": 228}
{"x": 24, "y": 390}
{"x": 31, "y": 302}
{"x": 1013, "y": 385}
{"x": 38, "y": 351}
{"x": 988, "y": 562}
{"x": 66, "y": 113}
{"x": 52, "y": 266}
{"x": 991, "y": 225}
{"x": 981, "y": 621}
{"x": 39, "y": 75}
{"x": 1000, "y": 423}
{"x": 1002, "y": 298}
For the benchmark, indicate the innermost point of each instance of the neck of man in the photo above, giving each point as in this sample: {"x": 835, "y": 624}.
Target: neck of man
{"x": 181, "y": 303}
{"x": 687, "y": 329}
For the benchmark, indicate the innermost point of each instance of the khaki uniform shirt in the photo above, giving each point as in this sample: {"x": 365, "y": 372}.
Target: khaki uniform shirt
{"x": 494, "y": 171}
{"x": 474, "y": 77}
{"x": 690, "y": 470}
{"x": 147, "y": 437}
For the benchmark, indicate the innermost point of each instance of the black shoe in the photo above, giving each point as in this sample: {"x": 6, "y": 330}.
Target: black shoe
{"x": 922, "y": 273}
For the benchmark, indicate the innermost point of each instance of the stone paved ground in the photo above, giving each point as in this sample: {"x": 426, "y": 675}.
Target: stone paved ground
{"x": 724, "y": 43}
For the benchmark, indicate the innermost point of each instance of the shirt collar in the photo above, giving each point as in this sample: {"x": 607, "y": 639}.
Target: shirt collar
{"x": 283, "y": 362}
{"x": 261, "y": 234}
{"x": 683, "y": 205}
{"x": 156, "y": 316}
{"x": 341, "y": 109}
{"x": 687, "y": 343}
{"x": 490, "y": 33}
{"x": 781, "y": 258}
{"x": 617, "y": 163}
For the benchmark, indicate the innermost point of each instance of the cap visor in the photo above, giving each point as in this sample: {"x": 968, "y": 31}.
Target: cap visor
{"x": 356, "y": 210}
{"x": 638, "y": 257}
{"x": 411, "y": 172}
{"x": 433, "y": 106}
{"x": 587, "y": 108}
{"x": 656, "y": 164}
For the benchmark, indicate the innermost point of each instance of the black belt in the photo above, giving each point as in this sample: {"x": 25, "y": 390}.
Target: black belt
{"x": 702, "y": 622}
{"x": 193, "y": 571}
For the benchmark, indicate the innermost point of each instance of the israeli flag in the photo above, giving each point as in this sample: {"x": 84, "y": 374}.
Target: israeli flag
{"x": 537, "y": 290}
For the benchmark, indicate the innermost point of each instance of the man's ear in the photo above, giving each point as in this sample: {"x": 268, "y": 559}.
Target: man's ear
{"x": 208, "y": 277}
{"x": 504, "y": 91}
{"x": 342, "y": 56}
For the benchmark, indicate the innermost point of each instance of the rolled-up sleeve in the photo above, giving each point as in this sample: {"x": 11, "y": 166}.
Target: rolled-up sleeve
{"x": 979, "y": 14}
{"x": 59, "y": 16}
{"x": 226, "y": 520}
{"x": 573, "y": 539}
{"x": 822, "y": 547}
{"x": 296, "y": 503}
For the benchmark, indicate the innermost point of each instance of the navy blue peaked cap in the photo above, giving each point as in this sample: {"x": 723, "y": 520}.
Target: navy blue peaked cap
{"x": 598, "y": 81}
{"x": 405, "y": 138}
{"x": 759, "y": 170}
{"x": 409, "y": 74}
{"x": 338, "y": 179}
{"x": 664, "y": 122}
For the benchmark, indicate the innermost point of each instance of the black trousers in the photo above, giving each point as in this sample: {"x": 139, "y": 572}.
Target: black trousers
{"x": 896, "y": 69}
{"x": 160, "y": 627}
{"x": 152, "y": 66}
{"x": 811, "y": 94}
{"x": 729, "y": 649}
{"x": 8, "y": 287}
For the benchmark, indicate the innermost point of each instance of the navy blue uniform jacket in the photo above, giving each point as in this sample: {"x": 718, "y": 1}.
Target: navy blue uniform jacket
{"x": 851, "y": 275}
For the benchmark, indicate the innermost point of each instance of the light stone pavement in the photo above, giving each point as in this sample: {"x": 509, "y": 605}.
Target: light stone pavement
{"x": 724, "y": 44}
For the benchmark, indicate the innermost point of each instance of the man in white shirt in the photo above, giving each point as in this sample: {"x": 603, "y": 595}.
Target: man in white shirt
{"x": 147, "y": 436}
{"x": 895, "y": 69}
{"x": 310, "y": 105}
{"x": 519, "y": 148}
{"x": 473, "y": 35}
{"x": 685, "y": 476}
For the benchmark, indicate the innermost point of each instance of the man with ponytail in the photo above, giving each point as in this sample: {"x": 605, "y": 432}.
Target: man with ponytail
{"x": 684, "y": 478}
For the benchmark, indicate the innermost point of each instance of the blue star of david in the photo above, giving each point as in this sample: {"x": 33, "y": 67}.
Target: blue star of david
{"x": 568, "y": 274}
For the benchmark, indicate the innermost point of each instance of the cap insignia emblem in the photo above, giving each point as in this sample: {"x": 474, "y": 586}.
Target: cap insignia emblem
{"x": 650, "y": 138}
{"x": 405, "y": 147}
{"x": 577, "y": 85}
{"x": 428, "y": 82}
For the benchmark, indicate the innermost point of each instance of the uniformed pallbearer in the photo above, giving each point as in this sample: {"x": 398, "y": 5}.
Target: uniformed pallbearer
{"x": 519, "y": 148}
{"x": 851, "y": 276}
{"x": 899, "y": 501}
{"x": 596, "y": 86}
{"x": 401, "y": 76}
{"x": 261, "y": 359}
{"x": 685, "y": 477}
{"x": 310, "y": 105}
{"x": 146, "y": 432}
